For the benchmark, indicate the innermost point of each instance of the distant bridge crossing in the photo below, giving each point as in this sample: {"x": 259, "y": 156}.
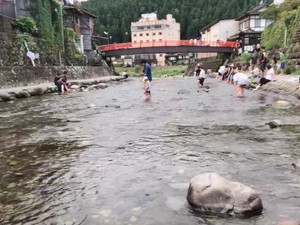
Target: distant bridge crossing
{"x": 182, "y": 46}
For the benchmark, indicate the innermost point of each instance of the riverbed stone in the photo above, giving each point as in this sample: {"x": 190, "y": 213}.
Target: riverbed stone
{"x": 4, "y": 96}
{"x": 211, "y": 193}
{"x": 281, "y": 104}
{"x": 23, "y": 94}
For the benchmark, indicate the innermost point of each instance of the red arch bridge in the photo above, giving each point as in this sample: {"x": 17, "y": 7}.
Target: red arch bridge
{"x": 182, "y": 46}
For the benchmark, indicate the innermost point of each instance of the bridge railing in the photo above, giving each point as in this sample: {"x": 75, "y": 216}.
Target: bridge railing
{"x": 228, "y": 44}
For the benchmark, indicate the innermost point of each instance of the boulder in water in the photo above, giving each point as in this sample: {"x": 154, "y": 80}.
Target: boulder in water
{"x": 211, "y": 193}
{"x": 274, "y": 124}
{"x": 4, "y": 96}
{"x": 281, "y": 104}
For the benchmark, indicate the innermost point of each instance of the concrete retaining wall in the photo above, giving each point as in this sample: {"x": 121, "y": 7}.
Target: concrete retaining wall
{"x": 26, "y": 76}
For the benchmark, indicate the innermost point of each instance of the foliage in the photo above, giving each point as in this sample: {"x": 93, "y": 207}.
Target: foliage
{"x": 138, "y": 69}
{"x": 286, "y": 21}
{"x": 71, "y": 51}
{"x": 48, "y": 17}
{"x": 245, "y": 57}
{"x": 24, "y": 25}
{"x": 296, "y": 72}
{"x": 273, "y": 36}
{"x": 115, "y": 16}
{"x": 277, "y": 12}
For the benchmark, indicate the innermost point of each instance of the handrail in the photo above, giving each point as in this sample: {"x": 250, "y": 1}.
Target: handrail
{"x": 128, "y": 45}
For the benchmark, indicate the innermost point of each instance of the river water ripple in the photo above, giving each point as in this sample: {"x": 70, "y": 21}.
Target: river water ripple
{"x": 108, "y": 157}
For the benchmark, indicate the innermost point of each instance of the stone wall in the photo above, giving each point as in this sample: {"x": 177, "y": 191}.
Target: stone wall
{"x": 25, "y": 76}
{"x": 212, "y": 63}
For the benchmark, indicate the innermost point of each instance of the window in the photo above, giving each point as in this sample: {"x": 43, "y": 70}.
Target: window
{"x": 76, "y": 19}
{"x": 134, "y": 35}
{"x": 140, "y": 28}
{"x": 241, "y": 26}
{"x": 147, "y": 34}
{"x": 246, "y": 24}
{"x": 160, "y": 33}
{"x": 141, "y": 35}
{"x": 148, "y": 27}
{"x": 147, "y": 41}
{"x": 257, "y": 22}
{"x": 157, "y": 26}
{"x": 160, "y": 39}
{"x": 247, "y": 41}
{"x": 141, "y": 41}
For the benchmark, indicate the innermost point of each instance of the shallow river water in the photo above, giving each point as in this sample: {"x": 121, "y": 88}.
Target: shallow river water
{"x": 108, "y": 157}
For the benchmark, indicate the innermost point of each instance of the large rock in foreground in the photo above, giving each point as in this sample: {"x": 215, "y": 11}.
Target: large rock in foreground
{"x": 211, "y": 193}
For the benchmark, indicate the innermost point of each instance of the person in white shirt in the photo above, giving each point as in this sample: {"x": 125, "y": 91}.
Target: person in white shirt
{"x": 147, "y": 88}
{"x": 269, "y": 77}
{"x": 201, "y": 77}
{"x": 241, "y": 81}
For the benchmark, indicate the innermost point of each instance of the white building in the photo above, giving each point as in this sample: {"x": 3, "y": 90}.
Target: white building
{"x": 251, "y": 25}
{"x": 218, "y": 30}
{"x": 151, "y": 30}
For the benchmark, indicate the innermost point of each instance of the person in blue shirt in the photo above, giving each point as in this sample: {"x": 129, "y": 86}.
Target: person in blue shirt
{"x": 147, "y": 70}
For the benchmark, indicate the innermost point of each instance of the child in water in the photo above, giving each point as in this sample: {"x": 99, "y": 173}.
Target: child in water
{"x": 147, "y": 88}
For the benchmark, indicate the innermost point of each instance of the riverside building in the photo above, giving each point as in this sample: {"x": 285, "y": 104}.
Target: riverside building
{"x": 150, "y": 30}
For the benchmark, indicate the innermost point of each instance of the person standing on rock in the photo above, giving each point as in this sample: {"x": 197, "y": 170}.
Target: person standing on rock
{"x": 147, "y": 70}
{"x": 282, "y": 62}
{"x": 263, "y": 61}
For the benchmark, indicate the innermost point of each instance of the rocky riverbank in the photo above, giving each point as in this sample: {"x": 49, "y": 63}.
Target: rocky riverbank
{"x": 11, "y": 94}
{"x": 282, "y": 85}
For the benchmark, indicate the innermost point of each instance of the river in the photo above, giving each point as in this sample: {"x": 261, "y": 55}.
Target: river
{"x": 108, "y": 157}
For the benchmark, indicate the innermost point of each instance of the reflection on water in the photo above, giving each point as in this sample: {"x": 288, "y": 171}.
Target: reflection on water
{"x": 107, "y": 157}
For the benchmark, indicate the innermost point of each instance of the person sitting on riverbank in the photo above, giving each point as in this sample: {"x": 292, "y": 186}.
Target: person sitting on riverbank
{"x": 269, "y": 77}
{"x": 147, "y": 88}
{"x": 125, "y": 74}
{"x": 58, "y": 81}
{"x": 66, "y": 84}
{"x": 241, "y": 81}
{"x": 255, "y": 72}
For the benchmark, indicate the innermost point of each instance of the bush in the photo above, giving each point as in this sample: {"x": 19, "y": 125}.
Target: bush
{"x": 245, "y": 57}
{"x": 138, "y": 69}
{"x": 24, "y": 25}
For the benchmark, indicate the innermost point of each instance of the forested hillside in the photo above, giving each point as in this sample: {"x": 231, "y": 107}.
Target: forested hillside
{"x": 115, "y": 16}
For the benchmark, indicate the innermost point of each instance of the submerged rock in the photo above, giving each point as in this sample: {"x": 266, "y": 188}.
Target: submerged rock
{"x": 273, "y": 124}
{"x": 211, "y": 193}
{"x": 4, "y": 96}
{"x": 296, "y": 165}
{"x": 282, "y": 104}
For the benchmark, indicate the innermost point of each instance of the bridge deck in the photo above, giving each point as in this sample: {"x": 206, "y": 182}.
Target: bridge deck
{"x": 167, "y": 47}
